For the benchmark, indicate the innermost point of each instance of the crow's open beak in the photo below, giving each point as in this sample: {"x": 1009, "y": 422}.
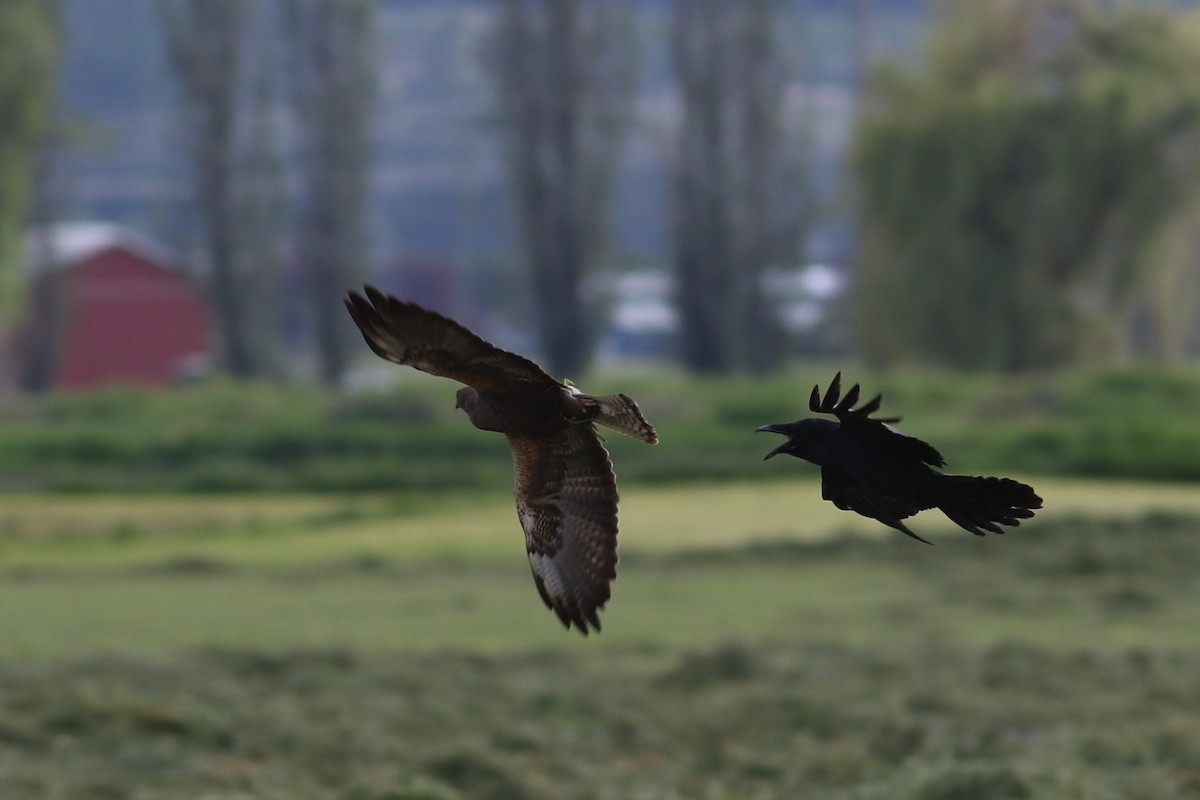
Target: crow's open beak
{"x": 775, "y": 429}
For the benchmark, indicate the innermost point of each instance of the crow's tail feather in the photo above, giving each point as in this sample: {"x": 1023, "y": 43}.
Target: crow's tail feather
{"x": 984, "y": 504}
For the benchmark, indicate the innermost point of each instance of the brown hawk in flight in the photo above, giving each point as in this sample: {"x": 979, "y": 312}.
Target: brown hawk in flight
{"x": 565, "y": 488}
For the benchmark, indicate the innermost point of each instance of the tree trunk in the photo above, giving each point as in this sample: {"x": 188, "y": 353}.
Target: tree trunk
{"x": 564, "y": 85}
{"x": 736, "y": 201}
{"x": 329, "y": 48}
{"x": 702, "y": 257}
{"x": 763, "y": 235}
{"x": 205, "y": 39}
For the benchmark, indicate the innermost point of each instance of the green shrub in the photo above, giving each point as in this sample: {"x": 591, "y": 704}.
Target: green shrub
{"x": 259, "y": 437}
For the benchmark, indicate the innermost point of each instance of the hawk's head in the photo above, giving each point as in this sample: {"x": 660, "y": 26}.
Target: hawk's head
{"x": 465, "y": 399}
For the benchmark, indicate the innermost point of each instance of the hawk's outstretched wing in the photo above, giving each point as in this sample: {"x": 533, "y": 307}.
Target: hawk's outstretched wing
{"x": 567, "y": 502}
{"x": 408, "y": 334}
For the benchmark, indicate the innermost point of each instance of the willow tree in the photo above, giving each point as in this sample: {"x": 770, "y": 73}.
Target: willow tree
{"x": 1015, "y": 187}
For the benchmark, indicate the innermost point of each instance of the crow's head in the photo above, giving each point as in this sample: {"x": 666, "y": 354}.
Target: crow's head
{"x": 806, "y": 438}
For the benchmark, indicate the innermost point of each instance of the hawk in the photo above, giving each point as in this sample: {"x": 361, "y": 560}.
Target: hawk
{"x": 564, "y": 484}
{"x": 869, "y": 467}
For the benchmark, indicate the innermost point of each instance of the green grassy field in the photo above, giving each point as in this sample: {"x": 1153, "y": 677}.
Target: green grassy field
{"x": 40, "y": 533}
{"x": 759, "y": 644}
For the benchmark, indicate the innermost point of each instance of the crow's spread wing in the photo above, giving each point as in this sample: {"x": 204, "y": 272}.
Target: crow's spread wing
{"x": 567, "y": 503}
{"x": 849, "y": 495}
{"x": 408, "y": 334}
{"x": 900, "y": 448}
{"x": 875, "y": 430}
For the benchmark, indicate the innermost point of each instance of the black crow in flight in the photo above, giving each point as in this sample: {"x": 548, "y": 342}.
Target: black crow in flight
{"x": 869, "y": 467}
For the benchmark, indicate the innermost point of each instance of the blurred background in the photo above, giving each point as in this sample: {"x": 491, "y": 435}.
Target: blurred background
{"x": 1009, "y": 186}
{"x": 240, "y": 556}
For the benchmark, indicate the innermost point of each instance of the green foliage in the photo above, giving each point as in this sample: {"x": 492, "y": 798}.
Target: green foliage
{"x": 1016, "y": 188}
{"x": 29, "y": 54}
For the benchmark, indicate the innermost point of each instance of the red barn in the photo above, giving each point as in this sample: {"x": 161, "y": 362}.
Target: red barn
{"x": 120, "y": 310}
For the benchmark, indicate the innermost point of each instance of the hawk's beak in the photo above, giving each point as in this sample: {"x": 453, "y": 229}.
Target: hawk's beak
{"x": 775, "y": 429}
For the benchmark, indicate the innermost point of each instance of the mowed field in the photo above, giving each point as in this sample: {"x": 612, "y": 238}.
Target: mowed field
{"x": 148, "y": 575}
{"x": 759, "y": 644}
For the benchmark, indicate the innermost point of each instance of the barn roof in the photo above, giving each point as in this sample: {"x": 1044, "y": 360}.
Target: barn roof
{"x": 65, "y": 244}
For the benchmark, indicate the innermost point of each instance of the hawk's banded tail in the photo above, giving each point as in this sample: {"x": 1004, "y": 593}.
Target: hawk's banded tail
{"x": 620, "y": 413}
